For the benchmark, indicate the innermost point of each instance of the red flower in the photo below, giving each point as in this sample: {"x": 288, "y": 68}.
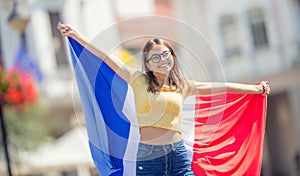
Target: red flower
{"x": 17, "y": 89}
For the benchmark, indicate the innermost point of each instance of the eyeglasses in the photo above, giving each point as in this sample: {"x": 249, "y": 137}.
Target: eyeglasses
{"x": 157, "y": 57}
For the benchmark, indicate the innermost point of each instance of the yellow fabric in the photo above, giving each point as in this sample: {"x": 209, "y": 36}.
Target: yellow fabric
{"x": 162, "y": 109}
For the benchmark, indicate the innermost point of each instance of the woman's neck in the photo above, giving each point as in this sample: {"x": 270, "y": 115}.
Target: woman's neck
{"x": 162, "y": 79}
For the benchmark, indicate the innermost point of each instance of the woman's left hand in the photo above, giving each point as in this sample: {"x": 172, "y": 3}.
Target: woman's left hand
{"x": 265, "y": 88}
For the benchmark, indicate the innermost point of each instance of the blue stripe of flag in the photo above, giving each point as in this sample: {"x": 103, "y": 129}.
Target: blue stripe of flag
{"x": 102, "y": 93}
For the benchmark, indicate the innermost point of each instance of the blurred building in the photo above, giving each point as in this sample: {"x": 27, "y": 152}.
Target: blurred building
{"x": 255, "y": 40}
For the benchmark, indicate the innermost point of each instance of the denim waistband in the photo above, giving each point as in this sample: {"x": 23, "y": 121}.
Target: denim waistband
{"x": 163, "y": 147}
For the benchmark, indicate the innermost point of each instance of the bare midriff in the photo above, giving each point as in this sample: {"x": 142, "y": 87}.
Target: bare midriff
{"x": 159, "y": 136}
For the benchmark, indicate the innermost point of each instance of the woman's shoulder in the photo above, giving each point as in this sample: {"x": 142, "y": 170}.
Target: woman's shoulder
{"x": 189, "y": 87}
{"x": 137, "y": 77}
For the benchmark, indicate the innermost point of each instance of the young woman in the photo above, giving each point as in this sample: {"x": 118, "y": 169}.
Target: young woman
{"x": 160, "y": 90}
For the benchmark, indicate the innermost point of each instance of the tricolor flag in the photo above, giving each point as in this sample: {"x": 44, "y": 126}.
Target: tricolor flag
{"x": 223, "y": 133}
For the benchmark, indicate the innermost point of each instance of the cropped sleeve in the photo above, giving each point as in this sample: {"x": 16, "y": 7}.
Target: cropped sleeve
{"x": 137, "y": 79}
{"x": 190, "y": 88}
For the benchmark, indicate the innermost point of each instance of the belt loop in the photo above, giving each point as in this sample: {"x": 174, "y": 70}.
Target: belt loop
{"x": 172, "y": 146}
{"x": 165, "y": 149}
{"x": 152, "y": 146}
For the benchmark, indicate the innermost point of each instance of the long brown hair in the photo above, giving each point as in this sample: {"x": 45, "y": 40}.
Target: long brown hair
{"x": 176, "y": 78}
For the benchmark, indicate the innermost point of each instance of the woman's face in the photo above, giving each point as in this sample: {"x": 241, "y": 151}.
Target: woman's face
{"x": 160, "y": 59}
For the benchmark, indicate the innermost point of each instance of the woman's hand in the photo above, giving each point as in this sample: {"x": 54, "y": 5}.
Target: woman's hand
{"x": 265, "y": 88}
{"x": 66, "y": 30}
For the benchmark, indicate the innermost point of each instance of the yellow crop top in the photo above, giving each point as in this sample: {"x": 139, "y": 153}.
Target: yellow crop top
{"x": 162, "y": 109}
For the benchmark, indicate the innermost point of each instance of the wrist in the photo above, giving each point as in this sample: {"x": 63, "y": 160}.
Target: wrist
{"x": 74, "y": 34}
{"x": 261, "y": 89}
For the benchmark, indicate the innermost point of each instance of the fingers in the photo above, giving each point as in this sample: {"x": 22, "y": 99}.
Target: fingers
{"x": 266, "y": 88}
{"x": 64, "y": 29}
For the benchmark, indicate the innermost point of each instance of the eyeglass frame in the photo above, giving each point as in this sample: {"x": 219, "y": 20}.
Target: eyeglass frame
{"x": 159, "y": 55}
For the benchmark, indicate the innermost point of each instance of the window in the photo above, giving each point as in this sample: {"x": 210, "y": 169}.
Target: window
{"x": 230, "y": 36}
{"x": 1, "y": 58}
{"x": 60, "y": 51}
{"x": 69, "y": 173}
{"x": 258, "y": 28}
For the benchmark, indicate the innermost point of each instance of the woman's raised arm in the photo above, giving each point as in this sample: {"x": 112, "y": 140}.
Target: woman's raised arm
{"x": 111, "y": 60}
{"x": 209, "y": 88}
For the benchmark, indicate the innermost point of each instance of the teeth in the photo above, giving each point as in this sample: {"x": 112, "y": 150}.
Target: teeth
{"x": 164, "y": 65}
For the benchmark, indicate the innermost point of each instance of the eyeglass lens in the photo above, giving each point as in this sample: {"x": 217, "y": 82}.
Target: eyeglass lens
{"x": 157, "y": 57}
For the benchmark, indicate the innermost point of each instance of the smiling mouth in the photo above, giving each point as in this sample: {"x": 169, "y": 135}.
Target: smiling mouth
{"x": 165, "y": 65}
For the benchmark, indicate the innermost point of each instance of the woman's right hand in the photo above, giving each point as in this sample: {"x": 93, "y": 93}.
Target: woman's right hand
{"x": 66, "y": 30}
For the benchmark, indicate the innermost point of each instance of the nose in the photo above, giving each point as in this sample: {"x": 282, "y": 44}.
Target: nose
{"x": 162, "y": 57}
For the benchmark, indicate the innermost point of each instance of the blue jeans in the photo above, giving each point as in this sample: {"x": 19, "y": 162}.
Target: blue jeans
{"x": 163, "y": 160}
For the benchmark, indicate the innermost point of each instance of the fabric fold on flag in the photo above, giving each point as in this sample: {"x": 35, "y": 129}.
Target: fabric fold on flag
{"x": 223, "y": 133}
{"x": 229, "y": 135}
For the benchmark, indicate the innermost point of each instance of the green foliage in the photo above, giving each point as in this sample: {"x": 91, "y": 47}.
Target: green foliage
{"x": 26, "y": 129}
